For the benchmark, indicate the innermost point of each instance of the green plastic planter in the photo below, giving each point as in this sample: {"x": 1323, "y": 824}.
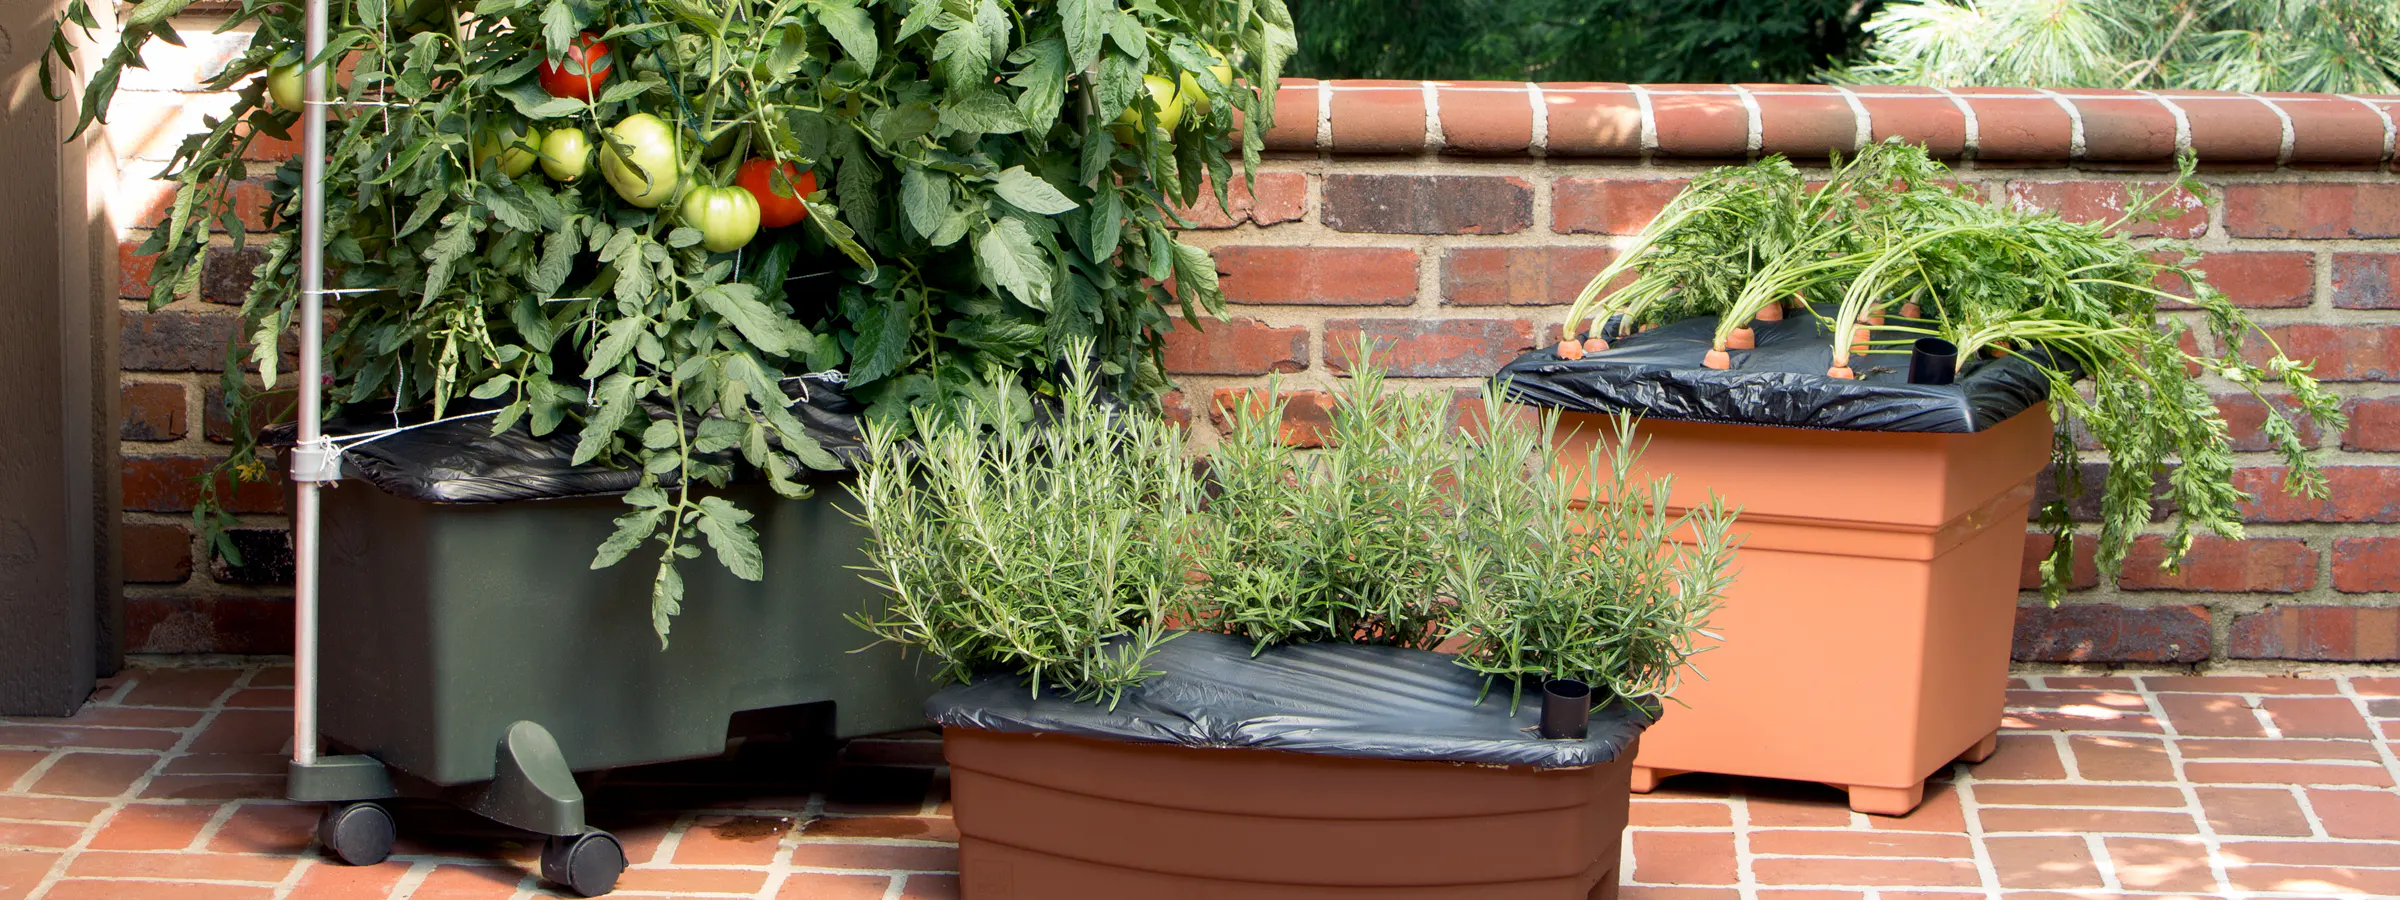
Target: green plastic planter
{"x": 471, "y": 654}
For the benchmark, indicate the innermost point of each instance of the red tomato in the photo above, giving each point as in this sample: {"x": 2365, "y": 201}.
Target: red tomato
{"x": 776, "y": 210}
{"x": 586, "y": 70}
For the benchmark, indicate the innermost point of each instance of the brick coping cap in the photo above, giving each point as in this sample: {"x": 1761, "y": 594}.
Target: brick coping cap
{"x": 1732, "y": 121}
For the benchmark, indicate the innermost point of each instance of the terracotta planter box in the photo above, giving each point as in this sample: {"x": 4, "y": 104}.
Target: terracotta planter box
{"x": 1056, "y": 816}
{"x": 1865, "y": 641}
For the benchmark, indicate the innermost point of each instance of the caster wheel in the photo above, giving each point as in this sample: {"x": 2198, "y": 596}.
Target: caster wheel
{"x": 586, "y": 863}
{"x": 357, "y": 833}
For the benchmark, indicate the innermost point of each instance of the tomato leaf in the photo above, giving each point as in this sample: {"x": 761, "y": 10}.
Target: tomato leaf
{"x": 925, "y": 199}
{"x": 729, "y": 533}
{"x": 1030, "y": 193}
{"x": 884, "y": 336}
{"x": 1010, "y": 259}
{"x": 738, "y": 305}
{"x": 850, "y": 28}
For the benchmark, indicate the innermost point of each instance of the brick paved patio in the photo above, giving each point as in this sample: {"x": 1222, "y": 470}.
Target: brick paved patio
{"x": 2156, "y": 786}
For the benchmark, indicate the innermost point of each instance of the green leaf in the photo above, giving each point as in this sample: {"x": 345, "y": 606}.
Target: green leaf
{"x": 661, "y": 434}
{"x": 515, "y": 212}
{"x": 616, "y": 405}
{"x": 993, "y": 22}
{"x": 558, "y": 29}
{"x": 621, "y": 91}
{"x": 764, "y": 328}
{"x": 557, "y": 261}
{"x": 1011, "y": 259}
{"x": 1196, "y": 276}
{"x": 728, "y": 532}
{"x": 1127, "y": 33}
{"x": 925, "y": 197}
{"x": 1030, "y": 193}
{"x": 632, "y": 529}
{"x": 1085, "y": 25}
{"x": 666, "y": 600}
{"x": 615, "y": 346}
{"x": 1043, "y": 83}
{"x": 883, "y": 340}
{"x": 921, "y": 15}
{"x": 982, "y": 112}
{"x": 457, "y": 240}
{"x": 716, "y": 435}
{"x": 963, "y": 56}
{"x": 843, "y": 238}
{"x": 850, "y": 28}
{"x": 494, "y": 387}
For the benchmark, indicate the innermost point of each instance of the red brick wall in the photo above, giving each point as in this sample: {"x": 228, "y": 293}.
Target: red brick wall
{"x": 1454, "y": 221}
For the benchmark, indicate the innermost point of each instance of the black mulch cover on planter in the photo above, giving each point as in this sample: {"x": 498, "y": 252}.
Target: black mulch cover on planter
{"x": 462, "y": 461}
{"x": 1328, "y": 699}
{"x": 1658, "y": 374}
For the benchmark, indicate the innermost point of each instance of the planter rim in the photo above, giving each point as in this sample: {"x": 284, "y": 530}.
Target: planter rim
{"x": 1345, "y": 700}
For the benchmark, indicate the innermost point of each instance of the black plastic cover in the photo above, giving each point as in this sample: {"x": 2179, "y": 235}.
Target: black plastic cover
{"x": 462, "y": 461}
{"x": 1658, "y": 374}
{"x": 1328, "y": 699}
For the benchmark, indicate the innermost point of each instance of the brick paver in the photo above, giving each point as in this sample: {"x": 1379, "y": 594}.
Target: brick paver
{"x": 167, "y": 786}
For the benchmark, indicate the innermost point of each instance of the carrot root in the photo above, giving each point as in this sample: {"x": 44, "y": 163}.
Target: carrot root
{"x": 1772, "y": 312}
{"x": 1594, "y": 345}
{"x": 1717, "y": 359}
{"x": 1742, "y": 339}
{"x": 1842, "y": 372}
{"x": 1570, "y": 350}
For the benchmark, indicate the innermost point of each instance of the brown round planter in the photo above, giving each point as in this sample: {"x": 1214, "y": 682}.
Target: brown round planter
{"x": 1064, "y": 818}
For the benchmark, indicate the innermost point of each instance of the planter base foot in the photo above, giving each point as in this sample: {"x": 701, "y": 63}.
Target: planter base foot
{"x": 1646, "y": 778}
{"x": 1884, "y": 801}
{"x": 1983, "y": 749}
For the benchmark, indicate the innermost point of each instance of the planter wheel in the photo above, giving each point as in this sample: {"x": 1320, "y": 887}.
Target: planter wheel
{"x": 586, "y": 863}
{"x": 358, "y": 833}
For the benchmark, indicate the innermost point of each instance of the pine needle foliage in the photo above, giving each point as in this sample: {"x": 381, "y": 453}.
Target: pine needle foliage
{"x": 1891, "y": 237}
{"x": 2330, "y": 46}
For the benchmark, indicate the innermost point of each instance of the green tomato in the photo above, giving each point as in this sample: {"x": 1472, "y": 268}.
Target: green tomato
{"x": 726, "y": 216}
{"x": 516, "y": 149}
{"x": 647, "y": 172}
{"x": 1195, "y": 95}
{"x": 1170, "y": 109}
{"x": 566, "y": 154}
{"x": 283, "y": 87}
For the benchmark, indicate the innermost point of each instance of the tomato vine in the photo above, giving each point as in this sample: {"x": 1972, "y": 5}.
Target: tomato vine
{"x": 980, "y": 215}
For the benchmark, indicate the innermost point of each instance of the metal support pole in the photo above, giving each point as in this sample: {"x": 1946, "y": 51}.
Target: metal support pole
{"x": 310, "y": 458}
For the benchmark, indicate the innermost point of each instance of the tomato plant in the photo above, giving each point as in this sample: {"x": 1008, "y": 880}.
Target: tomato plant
{"x": 778, "y": 187}
{"x": 977, "y": 216}
{"x": 726, "y": 216}
{"x": 581, "y": 72}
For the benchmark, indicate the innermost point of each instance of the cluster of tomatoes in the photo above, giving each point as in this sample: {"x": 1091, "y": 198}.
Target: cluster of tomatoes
{"x": 648, "y": 170}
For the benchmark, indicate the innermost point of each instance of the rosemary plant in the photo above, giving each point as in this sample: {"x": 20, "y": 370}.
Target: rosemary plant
{"x": 1343, "y": 545}
{"x": 1067, "y": 551}
{"x": 1414, "y": 532}
{"x": 1568, "y": 569}
{"x": 1052, "y": 549}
